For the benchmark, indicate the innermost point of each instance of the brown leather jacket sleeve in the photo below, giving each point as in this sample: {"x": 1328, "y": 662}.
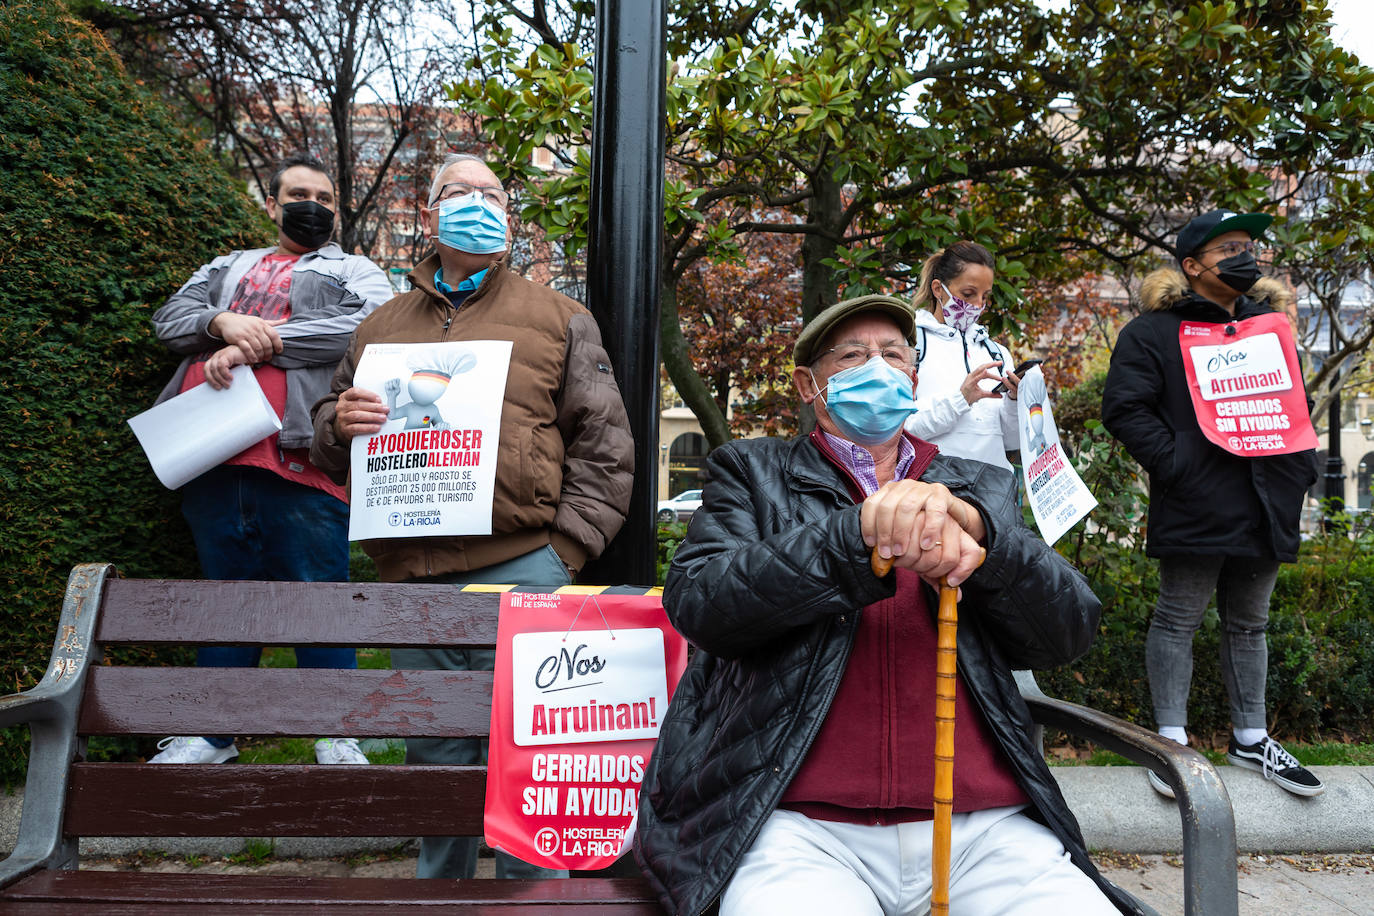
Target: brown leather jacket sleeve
{"x": 598, "y": 460}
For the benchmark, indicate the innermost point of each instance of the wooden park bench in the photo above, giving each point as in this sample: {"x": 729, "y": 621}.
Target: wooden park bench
{"x": 68, "y": 796}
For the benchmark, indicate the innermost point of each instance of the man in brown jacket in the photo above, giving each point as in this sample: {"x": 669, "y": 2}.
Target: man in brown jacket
{"x": 566, "y": 457}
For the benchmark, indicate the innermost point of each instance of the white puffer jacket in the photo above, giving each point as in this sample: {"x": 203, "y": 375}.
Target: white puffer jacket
{"x": 985, "y": 430}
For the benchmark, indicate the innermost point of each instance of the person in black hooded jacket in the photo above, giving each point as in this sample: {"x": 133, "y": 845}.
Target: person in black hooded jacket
{"x": 793, "y": 770}
{"x": 1217, "y": 521}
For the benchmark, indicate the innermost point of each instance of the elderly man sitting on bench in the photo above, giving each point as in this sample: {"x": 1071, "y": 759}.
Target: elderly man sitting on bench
{"x": 794, "y": 769}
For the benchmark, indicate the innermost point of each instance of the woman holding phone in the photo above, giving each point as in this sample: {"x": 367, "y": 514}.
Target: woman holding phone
{"x": 958, "y": 365}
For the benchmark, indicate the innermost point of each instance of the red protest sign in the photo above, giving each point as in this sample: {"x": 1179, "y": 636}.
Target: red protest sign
{"x": 581, "y": 685}
{"x": 1247, "y": 385}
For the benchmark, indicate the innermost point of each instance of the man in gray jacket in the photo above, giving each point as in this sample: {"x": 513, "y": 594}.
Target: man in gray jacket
{"x": 268, "y": 513}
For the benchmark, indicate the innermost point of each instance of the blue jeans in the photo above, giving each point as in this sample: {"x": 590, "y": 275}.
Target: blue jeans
{"x": 456, "y": 856}
{"x": 252, "y": 524}
{"x": 1242, "y": 586}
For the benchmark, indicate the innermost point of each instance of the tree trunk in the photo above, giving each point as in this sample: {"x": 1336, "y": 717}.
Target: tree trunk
{"x": 826, "y": 211}
{"x": 696, "y": 394}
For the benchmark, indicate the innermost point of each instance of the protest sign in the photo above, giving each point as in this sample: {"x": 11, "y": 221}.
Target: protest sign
{"x": 1057, "y": 496}
{"x": 1246, "y": 385}
{"x": 431, "y": 470}
{"x": 582, "y": 683}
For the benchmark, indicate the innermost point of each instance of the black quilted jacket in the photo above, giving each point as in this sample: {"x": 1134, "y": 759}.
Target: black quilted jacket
{"x": 768, "y": 586}
{"x": 1204, "y": 501}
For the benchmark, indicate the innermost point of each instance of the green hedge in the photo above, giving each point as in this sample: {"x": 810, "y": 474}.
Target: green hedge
{"x": 1321, "y": 617}
{"x": 107, "y": 204}
{"x": 1321, "y": 654}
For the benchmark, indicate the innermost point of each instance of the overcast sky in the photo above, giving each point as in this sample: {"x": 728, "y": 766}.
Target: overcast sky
{"x": 1352, "y": 27}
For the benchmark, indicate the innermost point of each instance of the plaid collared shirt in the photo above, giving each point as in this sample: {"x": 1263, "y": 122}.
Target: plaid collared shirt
{"x": 858, "y": 461}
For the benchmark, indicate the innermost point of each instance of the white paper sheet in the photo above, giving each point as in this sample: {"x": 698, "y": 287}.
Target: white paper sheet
{"x": 199, "y": 429}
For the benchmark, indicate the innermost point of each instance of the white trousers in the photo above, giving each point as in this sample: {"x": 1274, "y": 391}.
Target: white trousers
{"x": 1001, "y": 862}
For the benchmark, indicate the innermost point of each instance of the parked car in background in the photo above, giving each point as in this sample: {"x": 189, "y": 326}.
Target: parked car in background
{"x": 679, "y": 508}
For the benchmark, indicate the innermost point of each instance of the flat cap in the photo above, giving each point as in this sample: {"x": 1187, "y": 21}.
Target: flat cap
{"x": 808, "y": 344}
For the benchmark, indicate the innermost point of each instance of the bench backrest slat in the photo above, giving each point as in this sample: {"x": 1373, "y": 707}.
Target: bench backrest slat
{"x": 123, "y": 799}
{"x": 183, "y": 612}
{"x": 309, "y": 702}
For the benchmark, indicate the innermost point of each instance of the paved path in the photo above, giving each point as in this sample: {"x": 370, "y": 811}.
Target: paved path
{"x": 1327, "y": 885}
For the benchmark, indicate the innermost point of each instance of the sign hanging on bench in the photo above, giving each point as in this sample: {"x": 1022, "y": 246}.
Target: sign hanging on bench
{"x": 582, "y": 682}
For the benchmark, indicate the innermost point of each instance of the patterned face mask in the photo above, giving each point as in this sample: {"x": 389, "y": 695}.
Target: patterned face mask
{"x": 960, "y": 314}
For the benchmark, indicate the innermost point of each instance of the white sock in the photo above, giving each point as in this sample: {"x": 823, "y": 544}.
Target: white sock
{"x": 1175, "y": 733}
{"x": 1249, "y": 736}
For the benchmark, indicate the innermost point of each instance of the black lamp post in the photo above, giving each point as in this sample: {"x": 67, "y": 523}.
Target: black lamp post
{"x": 625, "y": 225}
{"x": 1334, "y": 503}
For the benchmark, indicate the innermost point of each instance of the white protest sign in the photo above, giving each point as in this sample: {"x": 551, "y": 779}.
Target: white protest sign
{"x": 1227, "y": 371}
{"x": 431, "y": 471}
{"x": 1056, "y": 493}
{"x": 587, "y": 685}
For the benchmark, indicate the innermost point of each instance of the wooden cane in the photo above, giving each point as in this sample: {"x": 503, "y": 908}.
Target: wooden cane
{"x": 946, "y": 654}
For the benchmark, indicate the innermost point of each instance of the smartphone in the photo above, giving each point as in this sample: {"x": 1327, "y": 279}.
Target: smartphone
{"x": 1019, "y": 371}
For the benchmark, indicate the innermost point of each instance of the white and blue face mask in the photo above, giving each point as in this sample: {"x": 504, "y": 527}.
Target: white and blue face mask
{"x": 869, "y": 403}
{"x": 472, "y": 224}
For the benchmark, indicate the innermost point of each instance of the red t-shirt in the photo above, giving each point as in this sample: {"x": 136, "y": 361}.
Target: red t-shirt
{"x": 265, "y": 291}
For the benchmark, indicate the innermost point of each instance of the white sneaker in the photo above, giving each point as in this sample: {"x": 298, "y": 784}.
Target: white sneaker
{"x": 192, "y": 750}
{"x": 1159, "y": 784}
{"x": 339, "y": 750}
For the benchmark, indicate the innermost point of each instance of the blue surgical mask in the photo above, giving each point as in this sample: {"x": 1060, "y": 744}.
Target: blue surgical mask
{"x": 473, "y": 224}
{"x": 869, "y": 403}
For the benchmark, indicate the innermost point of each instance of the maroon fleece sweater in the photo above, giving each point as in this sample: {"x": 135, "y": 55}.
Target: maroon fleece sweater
{"x": 873, "y": 761}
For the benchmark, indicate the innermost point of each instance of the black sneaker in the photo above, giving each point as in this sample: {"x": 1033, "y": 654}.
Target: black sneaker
{"x": 1269, "y": 758}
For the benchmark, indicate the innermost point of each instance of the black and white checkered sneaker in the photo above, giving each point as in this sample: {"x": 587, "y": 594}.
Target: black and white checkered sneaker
{"x": 1270, "y": 759}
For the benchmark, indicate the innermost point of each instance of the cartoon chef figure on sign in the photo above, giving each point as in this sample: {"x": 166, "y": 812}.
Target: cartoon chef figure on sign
{"x": 431, "y": 371}
{"x": 1033, "y": 392}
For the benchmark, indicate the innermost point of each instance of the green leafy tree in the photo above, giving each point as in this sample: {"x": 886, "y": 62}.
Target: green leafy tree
{"x": 106, "y": 206}
{"x": 876, "y": 132}
{"x": 1326, "y": 248}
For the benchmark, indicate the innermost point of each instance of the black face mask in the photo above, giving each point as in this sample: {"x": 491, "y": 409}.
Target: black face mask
{"x": 307, "y": 223}
{"x": 1239, "y": 271}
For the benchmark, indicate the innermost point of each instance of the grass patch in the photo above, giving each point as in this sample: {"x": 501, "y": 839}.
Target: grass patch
{"x": 255, "y": 852}
{"x": 399, "y": 851}
{"x": 302, "y": 750}
{"x": 282, "y": 657}
{"x": 1325, "y": 753}
{"x": 276, "y": 750}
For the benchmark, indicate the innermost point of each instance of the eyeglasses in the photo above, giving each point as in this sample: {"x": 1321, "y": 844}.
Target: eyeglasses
{"x": 1231, "y": 249}
{"x": 851, "y": 355}
{"x": 496, "y": 196}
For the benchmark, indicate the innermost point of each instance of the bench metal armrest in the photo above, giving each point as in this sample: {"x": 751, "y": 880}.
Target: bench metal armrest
{"x": 1209, "y": 825}
{"x": 50, "y": 710}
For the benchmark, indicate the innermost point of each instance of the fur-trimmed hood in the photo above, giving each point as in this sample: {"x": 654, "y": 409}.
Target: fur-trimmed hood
{"x": 1166, "y": 287}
